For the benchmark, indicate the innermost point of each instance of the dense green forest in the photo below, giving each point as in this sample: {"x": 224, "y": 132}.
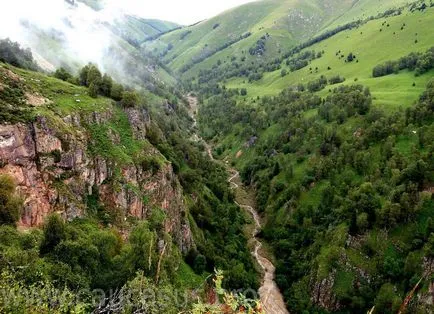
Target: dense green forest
{"x": 73, "y": 259}
{"x": 342, "y": 190}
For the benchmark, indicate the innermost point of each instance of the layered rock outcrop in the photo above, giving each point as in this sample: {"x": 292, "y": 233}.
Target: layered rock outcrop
{"x": 55, "y": 172}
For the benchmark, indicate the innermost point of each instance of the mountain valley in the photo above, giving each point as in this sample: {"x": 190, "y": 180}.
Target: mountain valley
{"x": 275, "y": 158}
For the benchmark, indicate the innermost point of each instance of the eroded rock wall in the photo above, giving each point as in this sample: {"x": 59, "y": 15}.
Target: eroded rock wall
{"x": 54, "y": 172}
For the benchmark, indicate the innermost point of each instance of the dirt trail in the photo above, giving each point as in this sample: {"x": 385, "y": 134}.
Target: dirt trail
{"x": 270, "y": 295}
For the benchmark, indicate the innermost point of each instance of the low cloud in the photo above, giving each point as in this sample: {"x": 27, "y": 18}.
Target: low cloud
{"x": 58, "y": 31}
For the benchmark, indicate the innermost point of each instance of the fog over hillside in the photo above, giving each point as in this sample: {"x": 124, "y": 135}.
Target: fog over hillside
{"x": 78, "y": 28}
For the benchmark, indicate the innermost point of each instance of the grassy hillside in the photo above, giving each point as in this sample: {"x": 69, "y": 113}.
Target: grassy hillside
{"x": 362, "y": 9}
{"x": 136, "y": 30}
{"x": 287, "y": 22}
{"x": 373, "y": 43}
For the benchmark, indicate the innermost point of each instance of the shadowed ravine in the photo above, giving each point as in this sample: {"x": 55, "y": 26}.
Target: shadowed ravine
{"x": 271, "y": 298}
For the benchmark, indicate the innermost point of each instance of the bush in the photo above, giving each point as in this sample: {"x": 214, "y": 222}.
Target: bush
{"x": 93, "y": 90}
{"x": 317, "y": 85}
{"x": 130, "y": 99}
{"x": 199, "y": 264}
{"x": 10, "y": 204}
{"x": 336, "y": 80}
{"x": 116, "y": 91}
{"x": 421, "y": 62}
{"x": 387, "y": 301}
{"x": 54, "y": 233}
{"x": 62, "y": 74}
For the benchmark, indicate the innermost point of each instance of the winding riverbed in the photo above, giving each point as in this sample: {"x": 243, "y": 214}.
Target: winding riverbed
{"x": 270, "y": 295}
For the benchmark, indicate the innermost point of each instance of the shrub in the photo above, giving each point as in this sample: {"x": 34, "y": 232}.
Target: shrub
{"x": 10, "y": 204}
{"x": 62, "y": 74}
{"x": 93, "y": 90}
{"x": 54, "y": 233}
{"x": 116, "y": 91}
{"x": 336, "y": 80}
{"x": 317, "y": 85}
{"x": 129, "y": 99}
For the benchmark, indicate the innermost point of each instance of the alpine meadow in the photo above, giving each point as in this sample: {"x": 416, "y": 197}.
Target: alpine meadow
{"x": 274, "y": 158}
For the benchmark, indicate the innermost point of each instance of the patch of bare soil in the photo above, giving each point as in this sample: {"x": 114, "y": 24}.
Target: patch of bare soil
{"x": 36, "y": 100}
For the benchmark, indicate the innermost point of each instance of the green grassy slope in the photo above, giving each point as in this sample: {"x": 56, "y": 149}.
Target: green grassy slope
{"x": 371, "y": 47}
{"x": 362, "y": 9}
{"x": 137, "y": 30}
{"x": 288, "y": 22}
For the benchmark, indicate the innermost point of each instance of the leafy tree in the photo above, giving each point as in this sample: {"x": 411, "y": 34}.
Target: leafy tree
{"x": 116, "y": 92}
{"x": 93, "y": 90}
{"x": 93, "y": 75}
{"x": 106, "y": 85}
{"x": 10, "y": 204}
{"x": 12, "y": 53}
{"x": 54, "y": 233}
{"x": 83, "y": 74}
{"x": 130, "y": 99}
{"x": 62, "y": 74}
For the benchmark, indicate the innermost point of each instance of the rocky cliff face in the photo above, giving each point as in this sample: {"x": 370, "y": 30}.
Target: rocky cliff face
{"x": 322, "y": 293}
{"x": 55, "y": 172}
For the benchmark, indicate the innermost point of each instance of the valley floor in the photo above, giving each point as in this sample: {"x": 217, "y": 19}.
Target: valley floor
{"x": 270, "y": 296}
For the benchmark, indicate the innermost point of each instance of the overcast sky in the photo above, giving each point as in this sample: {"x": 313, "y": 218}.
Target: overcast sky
{"x": 180, "y": 11}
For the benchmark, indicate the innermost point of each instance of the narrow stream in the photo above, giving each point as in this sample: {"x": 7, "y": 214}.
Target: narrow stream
{"x": 270, "y": 295}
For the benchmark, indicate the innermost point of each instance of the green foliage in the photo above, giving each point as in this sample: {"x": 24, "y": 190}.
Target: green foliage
{"x": 387, "y": 300}
{"x": 317, "y": 85}
{"x": 40, "y": 297}
{"x": 12, "y": 53}
{"x": 419, "y": 62}
{"x": 346, "y": 179}
{"x": 106, "y": 85}
{"x": 302, "y": 60}
{"x": 93, "y": 90}
{"x": 116, "y": 92}
{"x": 130, "y": 99}
{"x": 62, "y": 74}
{"x": 260, "y": 47}
{"x": 13, "y": 107}
{"x": 231, "y": 303}
{"x": 10, "y": 203}
{"x": 54, "y": 233}
{"x": 93, "y": 75}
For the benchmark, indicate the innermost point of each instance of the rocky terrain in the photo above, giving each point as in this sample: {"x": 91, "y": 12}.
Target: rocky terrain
{"x": 52, "y": 162}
